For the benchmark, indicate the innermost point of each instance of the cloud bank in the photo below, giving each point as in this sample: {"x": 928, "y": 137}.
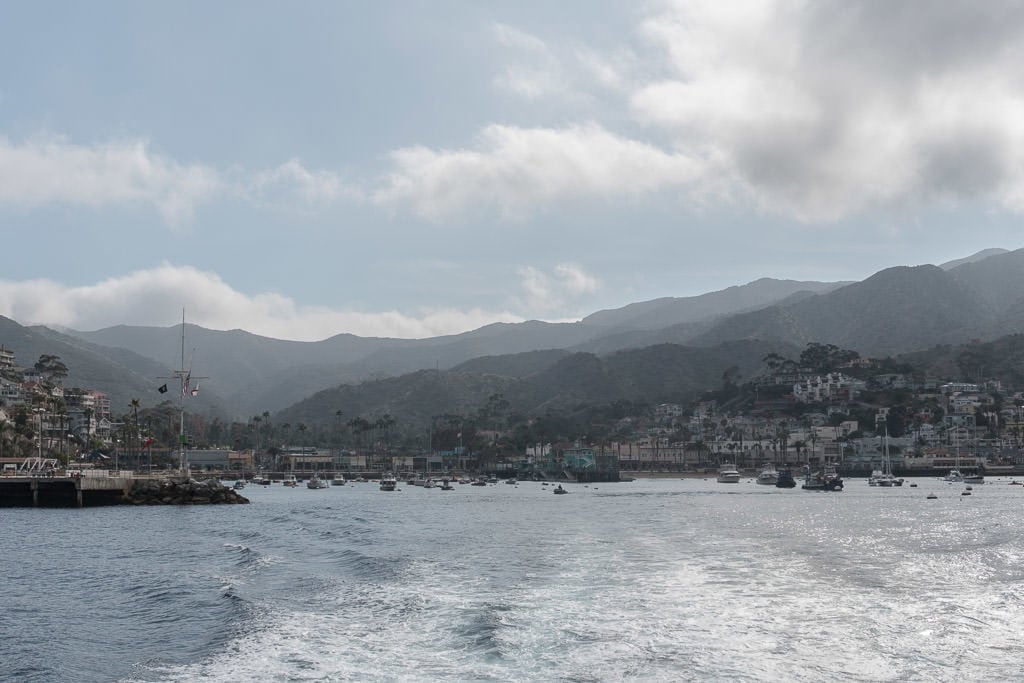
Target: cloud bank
{"x": 152, "y": 297}
{"x": 814, "y": 111}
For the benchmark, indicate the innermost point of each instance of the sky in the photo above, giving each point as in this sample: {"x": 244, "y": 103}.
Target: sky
{"x": 418, "y": 168}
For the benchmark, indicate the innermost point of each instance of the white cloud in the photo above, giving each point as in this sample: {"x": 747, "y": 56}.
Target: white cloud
{"x": 153, "y": 297}
{"x": 544, "y": 292}
{"x": 517, "y": 170}
{"x": 53, "y": 170}
{"x": 293, "y": 184}
{"x": 820, "y": 110}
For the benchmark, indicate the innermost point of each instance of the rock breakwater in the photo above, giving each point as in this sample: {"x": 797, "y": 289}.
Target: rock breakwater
{"x": 181, "y": 492}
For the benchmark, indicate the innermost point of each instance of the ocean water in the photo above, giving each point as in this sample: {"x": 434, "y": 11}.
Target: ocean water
{"x": 653, "y": 579}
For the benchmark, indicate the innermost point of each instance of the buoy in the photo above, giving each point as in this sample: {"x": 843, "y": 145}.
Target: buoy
{"x": 932, "y": 496}
{"x": 966, "y": 493}
{"x": 913, "y": 486}
{"x": 968, "y": 488}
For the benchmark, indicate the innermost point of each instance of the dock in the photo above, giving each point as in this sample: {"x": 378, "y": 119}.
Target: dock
{"x": 57, "y": 489}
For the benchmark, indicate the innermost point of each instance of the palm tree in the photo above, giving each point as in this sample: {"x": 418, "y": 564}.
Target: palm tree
{"x": 135, "y": 419}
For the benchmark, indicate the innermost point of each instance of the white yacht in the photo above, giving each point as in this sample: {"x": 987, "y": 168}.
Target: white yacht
{"x": 973, "y": 477}
{"x": 768, "y": 476}
{"x": 728, "y": 474}
{"x": 388, "y": 482}
{"x": 315, "y": 482}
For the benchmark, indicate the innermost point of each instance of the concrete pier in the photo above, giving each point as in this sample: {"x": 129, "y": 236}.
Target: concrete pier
{"x": 63, "y": 491}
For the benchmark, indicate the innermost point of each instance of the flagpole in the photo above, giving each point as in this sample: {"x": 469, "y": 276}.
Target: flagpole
{"x": 184, "y": 377}
{"x": 182, "y": 465}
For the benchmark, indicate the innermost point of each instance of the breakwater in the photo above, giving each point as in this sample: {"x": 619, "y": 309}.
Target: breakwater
{"x": 112, "y": 489}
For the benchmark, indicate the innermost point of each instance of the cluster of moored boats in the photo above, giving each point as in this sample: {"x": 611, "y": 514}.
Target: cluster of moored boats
{"x": 827, "y": 479}
{"x": 388, "y": 482}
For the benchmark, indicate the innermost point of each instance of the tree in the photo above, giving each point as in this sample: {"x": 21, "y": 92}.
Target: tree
{"x": 824, "y": 358}
{"x": 51, "y": 368}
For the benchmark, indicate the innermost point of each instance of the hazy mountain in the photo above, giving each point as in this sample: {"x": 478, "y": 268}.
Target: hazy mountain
{"x": 661, "y": 373}
{"x": 896, "y": 310}
{"x": 665, "y": 312}
{"x": 997, "y": 281}
{"x": 973, "y": 258}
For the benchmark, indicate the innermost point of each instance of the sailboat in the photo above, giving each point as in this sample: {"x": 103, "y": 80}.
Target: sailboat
{"x": 954, "y": 475}
{"x": 884, "y": 477}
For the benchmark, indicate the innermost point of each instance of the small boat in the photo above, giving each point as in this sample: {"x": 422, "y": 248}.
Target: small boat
{"x": 825, "y": 479}
{"x": 428, "y": 483}
{"x": 338, "y": 481}
{"x": 315, "y": 482}
{"x": 479, "y": 482}
{"x": 446, "y": 485}
{"x": 884, "y": 477}
{"x": 931, "y": 496}
{"x": 559, "y": 490}
{"x": 239, "y": 485}
{"x": 511, "y": 481}
{"x": 768, "y": 476}
{"x": 953, "y": 476}
{"x": 290, "y": 480}
{"x": 785, "y": 479}
{"x": 728, "y": 474}
{"x": 388, "y": 482}
{"x": 974, "y": 477}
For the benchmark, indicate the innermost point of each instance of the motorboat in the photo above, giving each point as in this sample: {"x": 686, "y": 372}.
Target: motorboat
{"x": 768, "y": 476}
{"x": 388, "y": 482}
{"x": 728, "y": 474}
{"x": 785, "y": 479}
{"x": 315, "y": 482}
{"x": 559, "y": 490}
{"x": 290, "y": 480}
{"x": 953, "y": 476}
{"x": 428, "y": 483}
{"x": 511, "y": 481}
{"x": 338, "y": 481}
{"x": 239, "y": 485}
{"x": 825, "y": 479}
{"x": 479, "y": 482}
{"x": 446, "y": 485}
{"x": 974, "y": 477}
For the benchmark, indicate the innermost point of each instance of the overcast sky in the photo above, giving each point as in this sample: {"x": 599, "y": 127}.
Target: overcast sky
{"x": 411, "y": 169}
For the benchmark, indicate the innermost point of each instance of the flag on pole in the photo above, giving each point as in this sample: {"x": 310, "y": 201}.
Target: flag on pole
{"x": 162, "y": 389}
{"x": 195, "y": 390}
{"x": 184, "y": 385}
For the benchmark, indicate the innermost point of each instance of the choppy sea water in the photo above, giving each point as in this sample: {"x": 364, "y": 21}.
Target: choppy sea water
{"x": 653, "y": 579}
